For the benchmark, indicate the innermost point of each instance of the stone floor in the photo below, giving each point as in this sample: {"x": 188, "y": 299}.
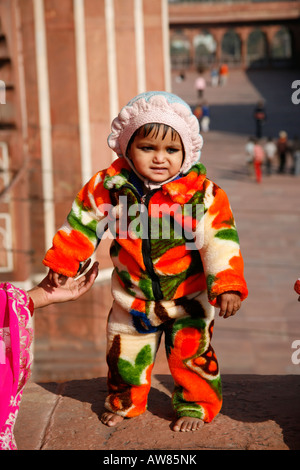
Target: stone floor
{"x": 259, "y": 413}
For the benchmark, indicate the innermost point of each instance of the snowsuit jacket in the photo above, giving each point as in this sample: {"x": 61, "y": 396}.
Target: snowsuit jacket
{"x": 163, "y": 250}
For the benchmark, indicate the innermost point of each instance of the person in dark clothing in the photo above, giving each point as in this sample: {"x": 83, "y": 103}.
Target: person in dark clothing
{"x": 260, "y": 118}
{"x": 296, "y": 155}
{"x": 282, "y": 145}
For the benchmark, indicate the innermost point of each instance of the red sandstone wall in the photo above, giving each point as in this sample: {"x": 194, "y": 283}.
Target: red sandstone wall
{"x": 66, "y": 336}
{"x": 61, "y": 56}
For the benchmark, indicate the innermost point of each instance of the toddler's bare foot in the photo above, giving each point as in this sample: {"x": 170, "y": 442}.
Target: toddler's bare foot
{"x": 111, "y": 419}
{"x": 186, "y": 424}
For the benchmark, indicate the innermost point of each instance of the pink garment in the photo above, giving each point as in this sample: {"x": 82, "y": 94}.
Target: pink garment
{"x": 259, "y": 153}
{"x": 16, "y": 335}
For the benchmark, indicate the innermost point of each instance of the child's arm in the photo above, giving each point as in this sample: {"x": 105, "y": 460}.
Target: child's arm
{"x": 229, "y": 303}
{"x": 78, "y": 238}
{"x": 220, "y": 250}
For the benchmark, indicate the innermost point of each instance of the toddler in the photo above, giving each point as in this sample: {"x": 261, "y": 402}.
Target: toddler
{"x": 175, "y": 253}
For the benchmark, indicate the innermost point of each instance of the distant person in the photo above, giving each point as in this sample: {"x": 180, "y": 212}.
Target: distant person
{"x": 282, "y": 147}
{"x": 296, "y": 155}
{"x": 270, "y": 152}
{"x": 197, "y": 111}
{"x": 214, "y": 77}
{"x": 205, "y": 121}
{"x": 260, "y": 118}
{"x": 180, "y": 77}
{"x": 200, "y": 85}
{"x": 223, "y": 74}
{"x": 249, "y": 150}
{"x": 259, "y": 156}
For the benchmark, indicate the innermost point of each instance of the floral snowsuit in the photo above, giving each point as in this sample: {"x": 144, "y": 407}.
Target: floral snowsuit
{"x": 159, "y": 284}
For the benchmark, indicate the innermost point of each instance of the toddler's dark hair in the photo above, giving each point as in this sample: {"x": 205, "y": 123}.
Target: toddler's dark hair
{"x": 152, "y": 127}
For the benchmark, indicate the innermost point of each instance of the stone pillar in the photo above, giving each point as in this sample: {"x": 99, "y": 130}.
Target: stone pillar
{"x": 218, "y": 34}
{"x": 243, "y": 33}
{"x": 14, "y": 202}
{"x": 190, "y": 34}
{"x": 269, "y": 32}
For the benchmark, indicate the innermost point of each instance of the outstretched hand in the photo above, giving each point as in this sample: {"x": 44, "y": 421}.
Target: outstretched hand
{"x": 47, "y": 293}
{"x": 229, "y": 303}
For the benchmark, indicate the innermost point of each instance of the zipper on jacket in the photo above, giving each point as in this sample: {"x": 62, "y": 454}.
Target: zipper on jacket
{"x": 146, "y": 242}
{"x": 146, "y": 251}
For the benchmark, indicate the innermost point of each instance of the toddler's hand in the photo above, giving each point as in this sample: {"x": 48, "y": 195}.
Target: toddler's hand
{"x": 46, "y": 293}
{"x": 229, "y": 303}
{"x": 56, "y": 279}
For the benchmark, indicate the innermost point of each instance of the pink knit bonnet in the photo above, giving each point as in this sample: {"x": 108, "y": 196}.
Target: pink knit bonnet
{"x": 163, "y": 108}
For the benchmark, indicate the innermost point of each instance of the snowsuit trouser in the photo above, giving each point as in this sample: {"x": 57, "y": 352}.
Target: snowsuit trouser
{"x": 132, "y": 346}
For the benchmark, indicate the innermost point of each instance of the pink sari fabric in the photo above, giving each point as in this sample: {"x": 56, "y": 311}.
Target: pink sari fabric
{"x": 16, "y": 335}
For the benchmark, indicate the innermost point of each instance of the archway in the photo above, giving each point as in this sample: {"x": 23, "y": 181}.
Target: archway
{"x": 281, "y": 47}
{"x": 257, "y": 50}
{"x": 180, "y": 50}
{"x": 231, "y": 47}
{"x": 205, "y": 48}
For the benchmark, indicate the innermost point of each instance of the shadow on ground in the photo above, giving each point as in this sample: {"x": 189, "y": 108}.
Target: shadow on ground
{"x": 248, "y": 399}
{"x": 232, "y": 109}
{"x": 238, "y": 119}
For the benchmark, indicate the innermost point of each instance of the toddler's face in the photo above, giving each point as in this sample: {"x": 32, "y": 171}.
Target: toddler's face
{"x": 157, "y": 158}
